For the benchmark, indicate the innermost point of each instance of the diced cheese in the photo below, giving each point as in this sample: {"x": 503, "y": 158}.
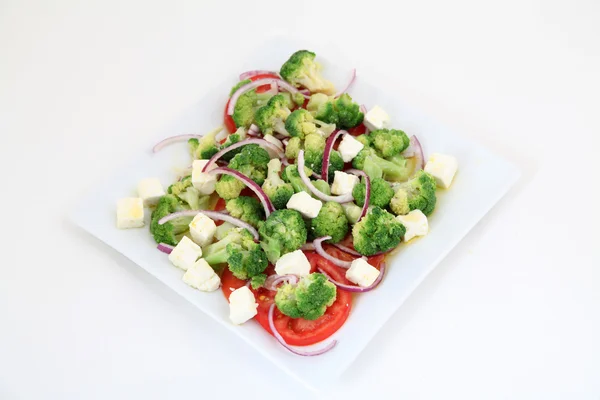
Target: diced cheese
{"x": 377, "y": 118}
{"x": 349, "y": 147}
{"x": 150, "y": 190}
{"x": 362, "y": 273}
{"x": 185, "y": 254}
{"x": 130, "y": 213}
{"x": 343, "y": 183}
{"x": 443, "y": 168}
{"x": 203, "y": 181}
{"x": 415, "y": 223}
{"x": 294, "y": 263}
{"x": 202, "y": 229}
{"x": 242, "y": 305}
{"x": 202, "y": 277}
{"x": 305, "y": 204}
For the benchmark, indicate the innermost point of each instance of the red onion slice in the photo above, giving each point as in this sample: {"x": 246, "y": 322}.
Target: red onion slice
{"x": 253, "y": 85}
{"x": 305, "y": 92}
{"x": 264, "y": 199}
{"x": 357, "y": 289}
{"x": 250, "y": 74}
{"x": 363, "y": 109}
{"x": 348, "y": 250}
{"x": 327, "y": 153}
{"x": 173, "y": 139}
{"x": 418, "y": 153}
{"x": 352, "y": 78}
{"x": 260, "y": 142}
{"x": 165, "y": 248}
{"x": 367, "y": 190}
{"x": 344, "y": 198}
{"x": 212, "y": 215}
{"x": 253, "y": 130}
{"x": 321, "y": 251}
{"x": 274, "y": 280}
{"x": 281, "y": 341}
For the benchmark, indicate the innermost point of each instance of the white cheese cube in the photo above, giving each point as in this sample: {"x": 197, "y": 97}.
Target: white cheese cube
{"x": 377, "y": 118}
{"x": 294, "y": 263}
{"x": 130, "y": 213}
{"x": 272, "y": 139}
{"x": 202, "y": 277}
{"x": 202, "y": 229}
{"x": 415, "y": 223}
{"x": 242, "y": 305}
{"x": 203, "y": 181}
{"x": 442, "y": 168}
{"x": 349, "y": 148}
{"x": 185, "y": 254}
{"x": 305, "y": 204}
{"x": 150, "y": 190}
{"x": 343, "y": 183}
{"x": 362, "y": 273}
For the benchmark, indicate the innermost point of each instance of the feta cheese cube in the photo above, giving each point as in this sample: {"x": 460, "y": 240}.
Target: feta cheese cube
{"x": 415, "y": 223}
{"x": 130, "y": 213}
{"x": 377, "y": 118}
{"x": 305, "y": 204}
{"x": 150, "y": 190}
{"x": 202, "y": 229}
{"x": 242, "y": 305}
{"x": 294, "y": 263}
{"x": 362, "y": 273}
{"x": 272, "y": 139}
{"x": 203, "y": 181}
{"x": 185, "y": 254}
{"x": 442, "y": 168}
{"x": 349, "y": 148}
{"x": 202, "y": 277}
{"x": 343, "y": 183}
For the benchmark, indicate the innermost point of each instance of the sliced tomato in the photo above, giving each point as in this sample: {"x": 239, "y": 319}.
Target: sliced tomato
{"x": 220, "y": 206}
{"x": 229, "y": 283}
{"x": 358, "y": 130}
{"x": 227, "y": 120}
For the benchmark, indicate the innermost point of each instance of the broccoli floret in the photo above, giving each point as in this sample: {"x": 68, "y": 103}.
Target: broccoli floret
{"x": 377, "y": 231}
{"x": 389, "y": 142}
{"x": 246, "y": 260}
{"x": 314, "y": 160}
{"x": 180, "y": 186}
{"x": 223, "y": 230}
{"x": 246, "y": 208}
{"x": 258, "y": 281}
{"x": 238, "y": 135}
{"x": 368, "y": 161}
{"x": 194, "y": 199}
{"x": 278, "y": 191}
{"x": 364, "y": 139}
{"x": 238, "y": 85}
{"x": 322, "y": 186}
{"x": 205, "y": 147}
{"x": 290, "y": 174}
{"x": 293, "y": 147}
{"x": 282, "y": 232}
{"x": 168, "y": 232}
{"x": 321, "y": 107}
{"x": 417, "y": 193}
{"x": 272, "y": 116}
{"x": 247, "y": 105}
{"x": 308, "y": 299}
{"x": 381, "y": 193}
{"x": 342, "y": 112}
{"x": 302, "y": 70}
{"x": 217, "y": 253}
{"x": 301, "y": 123}
{"x": 352, "y": 212}
{"x": 229, "y": 187}
{"x": 252, "y": 161}
{"x": 331, "y": 221}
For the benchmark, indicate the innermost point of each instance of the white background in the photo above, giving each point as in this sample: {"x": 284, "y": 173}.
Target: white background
{"x": 512, "y": 312}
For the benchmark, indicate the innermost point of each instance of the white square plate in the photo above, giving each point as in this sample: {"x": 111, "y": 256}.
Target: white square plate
{"x": 483, "y": 178}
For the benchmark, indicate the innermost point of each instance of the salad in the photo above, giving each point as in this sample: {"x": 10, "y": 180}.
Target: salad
{"x": 292, "y": 205}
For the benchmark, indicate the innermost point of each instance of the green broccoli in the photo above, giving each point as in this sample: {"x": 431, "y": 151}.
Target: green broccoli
{"x": 168, "y": 232}
{"x": 342, "y": 112}
{"x": 331, "y": 221}
{"x": 247, "y": 105}
{"x": 223, "y": 230}
{"x": 272, "y": 116}
{"x": 376, "y": 232}
{"x": 322, "y": 186}
{"x": 369, "y": 161}
{"x": 301, "y": 123}
{"x": 238, "y": 85}
{"x": 205, "y": 147}
{"x": 381, "y": 193}
{"x": 352, "y": 212}
{"x": 308, "y": 299}
{"x": 389, "y": 142}
{"x": 180, "y": 186}
{"x": 217, "y": 253}
{"x": 301, "y": 69}
{"x": 282, "y": 232}
{"x": 238, "y": 135}
{"x": 278, "y": 191}
{"x": 417, "y": 193}
{"x": 364, "y": 139}
{"x": 258, "y": 281}
{"x": 290, "y": 174}
{"x": 246, "y": 208}
{"x": 314, "y": 148}
{"x": 229, "y": 187}
{"x": 185, "y": 192}
{"x": 247, "y": 259}
{"x": 293, "y": 147}
{"x": 251, "y": 161}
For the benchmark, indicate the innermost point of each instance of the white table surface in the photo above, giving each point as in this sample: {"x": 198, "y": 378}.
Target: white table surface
{"x": 513, "y": 312}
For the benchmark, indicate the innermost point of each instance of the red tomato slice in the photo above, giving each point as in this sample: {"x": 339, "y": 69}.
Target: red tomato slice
{"x": 227, "y": 120}
{"x": 220, "y": 206}
{"x": 358, "y": 130}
